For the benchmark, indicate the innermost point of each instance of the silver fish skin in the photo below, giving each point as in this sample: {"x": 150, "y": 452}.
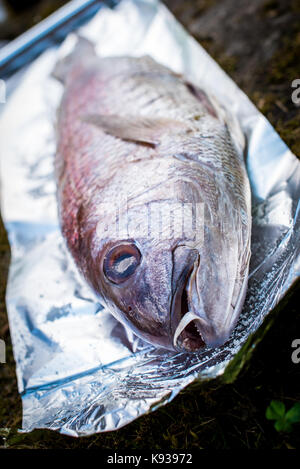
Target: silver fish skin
{"x": 153, "y": 197}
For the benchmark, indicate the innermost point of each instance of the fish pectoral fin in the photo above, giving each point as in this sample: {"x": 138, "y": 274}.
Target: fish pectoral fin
{"x": 138, "y": 129}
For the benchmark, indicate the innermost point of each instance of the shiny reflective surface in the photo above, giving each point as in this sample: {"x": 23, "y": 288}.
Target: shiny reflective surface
{"x": 79, "y": 371}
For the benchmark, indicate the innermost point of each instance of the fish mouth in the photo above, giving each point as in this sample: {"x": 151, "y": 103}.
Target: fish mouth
{"x": 187, "y": 333}
{"x": 191, "y": 330}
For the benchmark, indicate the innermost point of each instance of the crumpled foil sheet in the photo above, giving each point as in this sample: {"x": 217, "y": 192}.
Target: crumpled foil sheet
{"x": 79, "y": 371}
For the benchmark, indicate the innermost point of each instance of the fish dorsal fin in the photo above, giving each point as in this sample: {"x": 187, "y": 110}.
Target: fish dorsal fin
{"x": 202, "y": 98}
{"x": 139, "y": 129}
{"x": 215, "y": 109}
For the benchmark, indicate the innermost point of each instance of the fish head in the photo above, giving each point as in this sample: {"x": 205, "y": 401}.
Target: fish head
{"x": 170, "y": 294}
{"x": 181, "y": 292}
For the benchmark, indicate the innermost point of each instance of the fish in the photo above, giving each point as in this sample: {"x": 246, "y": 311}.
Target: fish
{"x": 154, "y": 200}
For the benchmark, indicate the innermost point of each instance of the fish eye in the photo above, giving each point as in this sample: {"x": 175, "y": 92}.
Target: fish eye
{"x": 120, "y": 262}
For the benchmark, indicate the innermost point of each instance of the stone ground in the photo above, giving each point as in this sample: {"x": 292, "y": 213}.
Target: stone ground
{"x": 258, "y": 45}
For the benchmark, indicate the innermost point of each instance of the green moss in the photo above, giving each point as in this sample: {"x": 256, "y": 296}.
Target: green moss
{"x": 290, "y": 132}
{"x": 263, "y": 101}
{"x": 285, "y": 63}
{"x": 228, "y": 63}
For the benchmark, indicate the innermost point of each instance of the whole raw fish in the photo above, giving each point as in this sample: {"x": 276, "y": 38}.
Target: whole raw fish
{"x": 154, "y": 199}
